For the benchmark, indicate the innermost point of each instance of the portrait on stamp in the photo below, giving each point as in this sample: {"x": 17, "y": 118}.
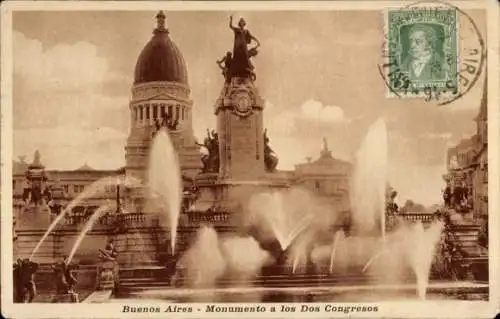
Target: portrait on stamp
{"x": 422, "y": 55}
{"x": 423, "y": 48}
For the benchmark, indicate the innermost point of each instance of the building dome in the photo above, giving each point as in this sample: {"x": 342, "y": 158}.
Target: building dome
{"x": 161, "y": 59}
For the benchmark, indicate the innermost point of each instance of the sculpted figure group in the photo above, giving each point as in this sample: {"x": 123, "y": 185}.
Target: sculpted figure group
{"x": 210, "y": 160}
{"x": 108, "y": 270}
{"x": 167, "y": 121}
{"x": 65, "y": 277}
{"x": 24, "y": 280}
{"x": 237, "y": 63}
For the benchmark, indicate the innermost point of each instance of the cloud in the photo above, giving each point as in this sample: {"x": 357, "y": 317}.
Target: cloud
{"x": 278, "y": 121}
{"x": 60, "y": 106}
{"x": 80, "y": 110}
{"x": 61, "y": 67}
{"x": 67, "y": 147}
{"x": 316, "y": 111}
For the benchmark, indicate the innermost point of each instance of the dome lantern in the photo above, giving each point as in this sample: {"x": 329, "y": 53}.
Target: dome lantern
{"x": 160, "y": 60}
{"x": 160, "y": 23}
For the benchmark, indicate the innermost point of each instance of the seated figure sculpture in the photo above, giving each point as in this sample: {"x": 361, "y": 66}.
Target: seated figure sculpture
{"x": 270, "y": 158}
{"x": 108, "y": 271}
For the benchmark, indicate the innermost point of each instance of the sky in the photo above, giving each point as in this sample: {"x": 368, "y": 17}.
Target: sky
{"x": 317, "y": 71}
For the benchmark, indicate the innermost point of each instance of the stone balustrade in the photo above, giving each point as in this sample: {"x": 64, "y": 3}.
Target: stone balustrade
{"x": 414, "y": 217}
{"x": 418, "y": 216}
{"x": 109, "y": 219}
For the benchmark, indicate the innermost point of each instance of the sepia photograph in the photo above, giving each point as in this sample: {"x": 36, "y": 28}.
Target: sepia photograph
{"x": 217, "y": 161}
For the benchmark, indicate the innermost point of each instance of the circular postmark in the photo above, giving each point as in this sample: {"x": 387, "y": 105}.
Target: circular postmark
{"x": 432, "y": 50}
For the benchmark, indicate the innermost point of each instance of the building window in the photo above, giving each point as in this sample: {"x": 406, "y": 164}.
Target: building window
{"x": 66, "y": 188}
{"x": 162, "y": 111}
{"x": 141, "y": 112}
{"x": 75, "y": 188}
{"x": 177, "y": 113}
{"x": 147, "y": 112}
{"x": 170, "y": 110}
{"x": 316, "y": 186}
{"x": 155, "y": 111}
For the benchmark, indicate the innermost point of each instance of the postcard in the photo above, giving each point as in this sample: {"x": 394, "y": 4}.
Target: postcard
{"x": 287, "y": 159}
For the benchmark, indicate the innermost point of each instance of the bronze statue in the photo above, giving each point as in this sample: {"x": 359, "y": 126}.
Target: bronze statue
{"x": 241, "y": 65}
{"x": 24, "y": 281}
{"x": 65, "y": 279}
{"x": 166, "y": 121}
{"x": 211, "y": 160}
{"x": 108, "y": 271}
{"x": 225, "y": 65}
{"x": 109, "y": 253}
{"x": 270, "y": 158}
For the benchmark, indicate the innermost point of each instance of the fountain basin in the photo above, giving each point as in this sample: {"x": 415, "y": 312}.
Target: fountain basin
{"x": 356, "y": 293}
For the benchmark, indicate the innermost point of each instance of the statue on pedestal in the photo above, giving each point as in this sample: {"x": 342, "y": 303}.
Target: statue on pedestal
{"x": 270, "y": 158}
{"x": 211, "y": 160}
{"x": 239, "y": 63}
{"x": 24, "y": 281}
{"x": 167, "y": 121}
{"x": 36, "y": 191}
{"x": 108, "y": 270}
{"x": 65, "y": 281}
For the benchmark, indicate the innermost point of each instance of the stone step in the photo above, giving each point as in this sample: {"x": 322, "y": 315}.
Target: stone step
{"x": 98, "y": 296}
{"x": 282, "y": 284}
{"x": 138, "y": 284}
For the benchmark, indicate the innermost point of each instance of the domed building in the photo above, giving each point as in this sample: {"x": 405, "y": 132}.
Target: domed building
{"x": 161, "y": 97}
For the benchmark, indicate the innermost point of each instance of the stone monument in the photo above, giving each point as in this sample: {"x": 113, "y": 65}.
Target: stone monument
{"x": 239, "y": 155}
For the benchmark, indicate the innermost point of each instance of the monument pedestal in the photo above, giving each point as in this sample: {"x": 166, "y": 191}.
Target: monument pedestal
{"x": 240, "y": 131}
{"x": 107, "y": 275}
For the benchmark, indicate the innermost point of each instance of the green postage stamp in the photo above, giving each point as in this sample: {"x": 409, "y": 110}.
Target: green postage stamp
{"x": 422, "y": 50}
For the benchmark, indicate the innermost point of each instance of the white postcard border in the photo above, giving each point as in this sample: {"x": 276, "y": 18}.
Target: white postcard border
{"x": 407, "y": 309}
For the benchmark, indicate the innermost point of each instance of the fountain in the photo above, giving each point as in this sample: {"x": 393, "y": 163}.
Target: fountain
{"x": 416, "y": 247}
{"x": 164, "y": 180}
{"x": 338, "y": 238}
{"x": 369, "y": 181}
{"x": 90, "y": 191}
{"x": 203, "y": 263}
{"x": 95, "y": 216}
{"x": 421, "y": 253}
{"x": 93, "y": 189}
{"x": 244, "y": 256}
{"x": 283, "y": 212}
